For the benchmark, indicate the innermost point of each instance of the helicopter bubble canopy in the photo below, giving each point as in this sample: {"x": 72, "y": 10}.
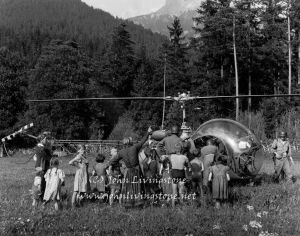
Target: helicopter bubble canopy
{"x": 241, "y": 144}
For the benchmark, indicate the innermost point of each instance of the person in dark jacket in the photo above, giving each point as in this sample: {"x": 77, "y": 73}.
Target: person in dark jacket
{"x": 43, "y": 157}
{"x": 131, "y": 193}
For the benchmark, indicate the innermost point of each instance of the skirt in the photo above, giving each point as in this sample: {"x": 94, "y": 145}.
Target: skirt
{"x": 131, "y": 194}
{"x": 220, "y": 188}
{"x": 81, "y": 181}
{"x": 177, "y": 176}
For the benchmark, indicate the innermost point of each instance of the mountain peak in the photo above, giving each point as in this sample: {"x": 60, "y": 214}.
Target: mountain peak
{"x": 158, "y": 21}
{"x": 177, "y": 7}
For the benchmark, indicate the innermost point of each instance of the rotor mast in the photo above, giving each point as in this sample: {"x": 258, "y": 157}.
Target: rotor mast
{"x": 182, "y": 99}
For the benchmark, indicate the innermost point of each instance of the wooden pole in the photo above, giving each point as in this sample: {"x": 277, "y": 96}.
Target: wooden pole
{"x": 290, "y": 62}
{"x": 164, "y": 104}
{"x": 236, "y": 72}
{"x": 249, "y": 65}
{"x": 290, "y": 51}
{"x": 299, "y": 58}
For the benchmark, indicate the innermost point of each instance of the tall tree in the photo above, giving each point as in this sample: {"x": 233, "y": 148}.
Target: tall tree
{"x": 176, "y": 58}
{"x": 175, "y": 54}
{"x": 295, "y": 25}
{"x": 121, "y": 61}
{"x": 214, "y": 56}
{"x": 274, "y": 47}
{"x": 249, "y": 40}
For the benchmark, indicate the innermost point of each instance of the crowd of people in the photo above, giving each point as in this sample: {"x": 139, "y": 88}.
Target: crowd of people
{"x": 167, "y": 173}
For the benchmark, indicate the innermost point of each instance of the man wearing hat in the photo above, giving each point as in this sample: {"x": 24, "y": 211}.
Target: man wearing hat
{"x": 282, "y": 154}
{"x": 169, "y": 142}
{"x": 132, "y": 182}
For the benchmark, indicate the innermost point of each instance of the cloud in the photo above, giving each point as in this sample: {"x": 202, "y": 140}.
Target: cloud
{"x": 126, "y": 8}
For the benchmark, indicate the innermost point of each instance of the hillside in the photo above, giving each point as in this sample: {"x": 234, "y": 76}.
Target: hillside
{"x": 66, "y": 19}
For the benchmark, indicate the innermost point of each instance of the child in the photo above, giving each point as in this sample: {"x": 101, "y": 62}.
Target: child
{"x": 54, "y": 180}
{"x": 114, "y": 178}
{"x": 197, "y": 171}
{"x": 100, "y": 171}
{"x": 81, "y": 181}
{"x": 36, "y": 189}
{"x": 166, "y": 180}
{"x": 219, "y": 176}
{"x": 178, "y": 163}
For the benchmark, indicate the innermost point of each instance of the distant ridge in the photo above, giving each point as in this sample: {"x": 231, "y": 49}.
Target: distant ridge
{"x": 69, "y": 19}
{"x": 159, "y": 20}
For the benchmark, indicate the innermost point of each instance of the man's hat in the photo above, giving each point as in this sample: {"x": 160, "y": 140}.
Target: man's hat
{"x": 283, "y": 134}
{"x": 175, "y": 129}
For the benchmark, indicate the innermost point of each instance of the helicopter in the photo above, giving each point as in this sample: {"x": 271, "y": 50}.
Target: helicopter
{"x": 243, "y": 149}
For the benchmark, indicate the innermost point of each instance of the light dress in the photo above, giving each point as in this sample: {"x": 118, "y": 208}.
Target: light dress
{"x": 54, "y": 178}
{"x": 219, "y": 181}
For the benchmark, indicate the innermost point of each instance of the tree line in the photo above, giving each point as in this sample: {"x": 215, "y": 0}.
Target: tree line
{"x": 55, "y": 59}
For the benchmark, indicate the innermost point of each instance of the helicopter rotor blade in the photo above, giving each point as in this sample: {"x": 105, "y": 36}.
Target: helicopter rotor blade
{"x": 169, "y": 98}
{"x": 245, "y": 96}
{"x": 100, "y": 98}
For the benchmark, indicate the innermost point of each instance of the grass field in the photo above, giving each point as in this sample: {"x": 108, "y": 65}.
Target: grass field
{"x": 276, "y": 209}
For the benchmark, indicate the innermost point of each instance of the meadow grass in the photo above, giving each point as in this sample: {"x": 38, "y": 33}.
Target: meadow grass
{"x": 279, "y": 205}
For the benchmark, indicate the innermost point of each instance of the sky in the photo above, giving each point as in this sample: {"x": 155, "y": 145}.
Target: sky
{"x": 126, "y": 8}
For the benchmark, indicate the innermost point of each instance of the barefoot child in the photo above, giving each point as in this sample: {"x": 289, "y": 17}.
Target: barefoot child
{"x": 36, "y": 189}
{"x": 81, "y": 181}
{"x": 178, "y": 163}
{"x": 219, "y": 176}
{"x": 99, "y": 172}
{"x": 114, "y": 178}
{"x": 54, "y": 180}
{"x": 197, "y": 173}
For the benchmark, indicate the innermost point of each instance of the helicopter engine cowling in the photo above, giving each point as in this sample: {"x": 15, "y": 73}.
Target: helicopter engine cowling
{"x": 244, "y": 150}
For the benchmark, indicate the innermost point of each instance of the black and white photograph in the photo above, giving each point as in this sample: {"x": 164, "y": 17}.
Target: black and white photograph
{"x": 150, "y": 117}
